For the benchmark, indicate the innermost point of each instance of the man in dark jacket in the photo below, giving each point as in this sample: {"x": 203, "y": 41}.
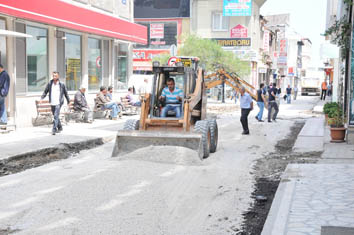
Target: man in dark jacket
{"x": 57, "y": 91}
{"x": 4, "y": 90}
{"x": 80, "y": 105}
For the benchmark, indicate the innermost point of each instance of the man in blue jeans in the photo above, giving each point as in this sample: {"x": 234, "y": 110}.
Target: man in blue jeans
{"x": 57, "y": 91}
{"x": 4, "y": 90}
{"x": 173, "y": 97}
{"x": 288, "y": 94}
{"x": 260, "y": 101}
{"x": 103, "y": 100}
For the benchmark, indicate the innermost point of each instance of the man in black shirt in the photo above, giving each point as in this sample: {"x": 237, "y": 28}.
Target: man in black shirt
{"x": 288, "y": 94}
{"x": 272, "y": 103}
{"x": 260, "y": 102}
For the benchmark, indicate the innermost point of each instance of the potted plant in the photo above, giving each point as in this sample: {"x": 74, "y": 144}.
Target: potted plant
{"x": 328, "y": 108}
{"x": 336, "y": 122}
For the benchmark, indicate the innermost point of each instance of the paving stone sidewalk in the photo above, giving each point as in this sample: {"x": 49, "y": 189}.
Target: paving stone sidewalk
{"x": 315, "y": 199}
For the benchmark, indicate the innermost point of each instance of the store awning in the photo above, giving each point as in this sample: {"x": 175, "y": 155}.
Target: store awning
{"x": 4, "y": 32}
{"x": 62, "y": 14}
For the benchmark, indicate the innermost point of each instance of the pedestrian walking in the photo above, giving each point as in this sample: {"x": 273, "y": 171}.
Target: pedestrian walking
{"x": 324, "y": 90}
{"x": 261, "y": 101}
{"x": 246, "y": 105}
{"x": 4, "y": 90}
{"x": 295, "y": 92}
{"x": 57, "y": 91}
{"x": 272, "y": 104}
{"x": 288, "y": 94}
{"x": 329, "y": 89}
{"x": 234, "y": 95}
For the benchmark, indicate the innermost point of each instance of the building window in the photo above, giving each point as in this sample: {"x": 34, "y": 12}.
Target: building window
{"x": 220, "y": 22}
{"x": 122, "y": 65}
{"x": 94, "y": 63}
{"x": 37, "y": 58}
{"x": 73, "y": 61}
{"x": 161, "y": 35}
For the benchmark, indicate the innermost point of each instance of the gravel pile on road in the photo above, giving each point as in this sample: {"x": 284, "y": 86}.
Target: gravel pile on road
{"x": 165, "y": 154}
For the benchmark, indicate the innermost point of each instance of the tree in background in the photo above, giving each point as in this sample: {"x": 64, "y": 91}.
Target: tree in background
{"x": 212, "y": 56}
{"x": 162, "y": 58}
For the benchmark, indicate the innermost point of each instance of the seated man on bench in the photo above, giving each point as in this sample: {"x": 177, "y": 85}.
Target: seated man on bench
{"x": 102, "y": 101}
{"x": 80, "y": 105}
{"x": 131, "y": 98}
{"x": 172, "y": 97}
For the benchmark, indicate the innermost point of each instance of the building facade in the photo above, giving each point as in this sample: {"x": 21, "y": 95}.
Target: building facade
{"x": 239, "y": 32}
{"x": 339, "y": 63}
{"x": 89, "y": 42}
{"x": 166, "y": 21}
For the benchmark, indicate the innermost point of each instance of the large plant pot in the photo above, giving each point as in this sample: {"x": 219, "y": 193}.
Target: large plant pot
{"x": 338, "y": 134}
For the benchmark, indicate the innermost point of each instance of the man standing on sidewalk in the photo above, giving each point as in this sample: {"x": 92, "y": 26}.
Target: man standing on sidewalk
{"x": 57, "y": 91}
{"x": 246, "y": 105}
{"x": 272, "y": 103}
{"x": 288, "y": 94}
{"x": 324, "y": 90}
{"x": 4, "y": 90}
{"x": 260, "y": 102}
{"x": 295, "y": 92}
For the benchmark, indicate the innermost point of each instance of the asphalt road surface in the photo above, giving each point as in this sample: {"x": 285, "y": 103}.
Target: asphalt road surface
{"x": 153, "y": 191}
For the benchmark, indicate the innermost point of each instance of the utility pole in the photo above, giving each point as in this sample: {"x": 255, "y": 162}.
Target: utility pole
{"x": 223, "y": 92}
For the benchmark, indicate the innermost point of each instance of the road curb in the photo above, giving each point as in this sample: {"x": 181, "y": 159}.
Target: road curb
{"x": 74, "y": 147}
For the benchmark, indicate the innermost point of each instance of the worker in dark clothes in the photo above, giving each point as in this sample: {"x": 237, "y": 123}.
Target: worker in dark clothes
{"x": 246, "y": 105}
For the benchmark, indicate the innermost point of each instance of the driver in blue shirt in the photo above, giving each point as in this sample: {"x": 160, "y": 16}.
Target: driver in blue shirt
{"x": 173, "y": 97}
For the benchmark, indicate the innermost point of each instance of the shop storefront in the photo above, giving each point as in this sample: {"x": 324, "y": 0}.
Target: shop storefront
{"x": 76, "y": 41}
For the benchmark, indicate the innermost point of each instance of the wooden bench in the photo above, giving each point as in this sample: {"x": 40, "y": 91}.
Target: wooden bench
{"x": 44, "y": 114}
{"x": 71, "y": 114}
{"x": 100, "y": 111}
{"x": 127, "y": 108}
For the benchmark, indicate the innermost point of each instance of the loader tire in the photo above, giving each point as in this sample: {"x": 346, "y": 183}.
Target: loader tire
{"x": 203, "y": 128}
{"x": 131, "y": 124}
{"x": 213, "y": 135}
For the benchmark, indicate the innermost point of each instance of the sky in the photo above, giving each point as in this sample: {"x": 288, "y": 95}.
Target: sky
{"x": 307, "y": 17}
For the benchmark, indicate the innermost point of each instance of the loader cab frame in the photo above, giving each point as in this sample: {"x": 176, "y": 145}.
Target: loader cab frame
{"x": 185, "y": 79}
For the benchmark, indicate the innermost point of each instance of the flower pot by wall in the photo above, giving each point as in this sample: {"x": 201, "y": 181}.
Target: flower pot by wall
{"x": 338, "y": 134}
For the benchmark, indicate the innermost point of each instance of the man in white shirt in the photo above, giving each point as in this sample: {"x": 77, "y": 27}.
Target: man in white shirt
{"x": 57, "y": 91}
{"x": 246, "y": 105}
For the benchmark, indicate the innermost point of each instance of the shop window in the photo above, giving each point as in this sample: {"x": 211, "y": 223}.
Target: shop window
{"x": 37, "y": 59}
{"x": 73, "y": 61}
{"x": 220, "y": 22}
{"x": 94, "y": 63}
{"x": 122, "y": 65}
{"x": 161, "y": 35}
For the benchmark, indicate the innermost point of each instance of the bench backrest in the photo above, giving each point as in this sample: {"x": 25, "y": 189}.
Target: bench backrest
{"x": 43, "y": 107}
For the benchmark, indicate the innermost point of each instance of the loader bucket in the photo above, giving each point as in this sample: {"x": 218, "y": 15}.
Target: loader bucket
{"x": 128, "y": 141}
